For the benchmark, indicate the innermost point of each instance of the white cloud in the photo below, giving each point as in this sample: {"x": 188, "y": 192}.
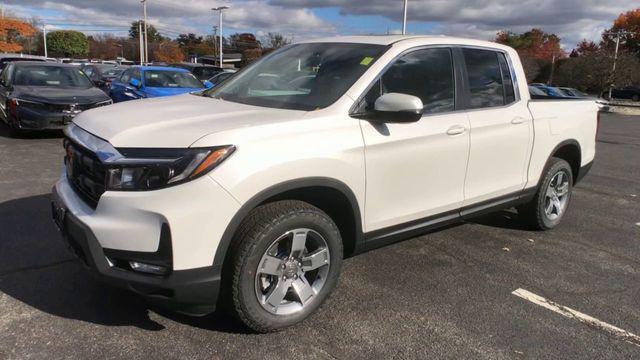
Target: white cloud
{"x": 572, "y": 20}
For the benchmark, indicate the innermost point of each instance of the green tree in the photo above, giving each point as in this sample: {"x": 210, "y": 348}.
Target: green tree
{"x": 152, "y": 33}
{"x": 67, "y": 43}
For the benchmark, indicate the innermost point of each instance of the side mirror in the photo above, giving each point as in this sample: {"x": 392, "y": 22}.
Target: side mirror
{"x": 135, "y": 83}
{"x": 395, "y": 108}
{"x": 208, "y": 84}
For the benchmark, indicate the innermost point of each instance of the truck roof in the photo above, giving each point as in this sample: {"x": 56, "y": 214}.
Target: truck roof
{"x": 392, "y": 39}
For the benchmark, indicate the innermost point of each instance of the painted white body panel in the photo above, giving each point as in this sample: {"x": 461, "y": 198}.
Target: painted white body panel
{"x": 397, "y": 172}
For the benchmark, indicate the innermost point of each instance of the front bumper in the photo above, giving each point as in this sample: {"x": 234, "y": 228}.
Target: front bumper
{"x": 29, "y": 119}
{"x": 193, "y": 292}
{"x": 131, "y": 226}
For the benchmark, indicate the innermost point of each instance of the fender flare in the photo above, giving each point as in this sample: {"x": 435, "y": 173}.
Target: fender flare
{"x": 281, "y": 188}
{"x": 555, "y": 149}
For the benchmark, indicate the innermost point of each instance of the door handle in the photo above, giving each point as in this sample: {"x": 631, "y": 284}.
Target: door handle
{"x": 456, "y": 130}
{"x": 518, "y": 120}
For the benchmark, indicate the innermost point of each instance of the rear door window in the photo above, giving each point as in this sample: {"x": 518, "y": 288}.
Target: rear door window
{"x": 486, "y": 86}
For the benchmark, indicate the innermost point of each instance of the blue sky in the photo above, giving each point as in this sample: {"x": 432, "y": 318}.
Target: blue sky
{"x": 572, "y": 20}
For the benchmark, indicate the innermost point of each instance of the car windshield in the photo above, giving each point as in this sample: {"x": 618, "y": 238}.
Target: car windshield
{"x": 171, "y": 79}
{"x": 300, "y": 77}
{"x": 50, "y": 76}
{"x": 205, "y": 72}
{"x": 114, "y": 71}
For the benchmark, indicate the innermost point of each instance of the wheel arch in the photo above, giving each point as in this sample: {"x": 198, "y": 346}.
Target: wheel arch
{"x": 570, "y": 151}
{"x": 330, "y": 195}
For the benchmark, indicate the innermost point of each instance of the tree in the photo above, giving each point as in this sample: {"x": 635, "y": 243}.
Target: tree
{"x": 12, "y": 32}
{"x": 152, "y": 33}
{"x": 592, "y": 72}
{"x": 67, "y": 43}
{"x": 190, "y": 42}
{"x": 585, "y": 48}
{"x": 537, "y": 49}
{"x": 169, "y": 52}
{"x": 244, "y": 41}
{"x": 277, "y": 40}
{"x": 627, "y": 22}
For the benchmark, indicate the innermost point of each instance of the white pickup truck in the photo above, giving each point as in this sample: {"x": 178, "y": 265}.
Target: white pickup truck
{"x": 255, "y": 191}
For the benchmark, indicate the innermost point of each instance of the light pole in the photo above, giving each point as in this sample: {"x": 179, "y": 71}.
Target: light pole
{"x": 141, "y": 43}
{"x": 404, "y": 18}
{"x": 146, "y": 44}
{"x": 220, "y": 9}
{"x": 44, "y": 36}
{"x": 615, "y": 56}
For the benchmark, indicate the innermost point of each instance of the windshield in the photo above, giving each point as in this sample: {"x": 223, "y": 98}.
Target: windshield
{"x": 205, "y": 72}
{"x": 51, "y": 76}
{"x": 300, "y": 77}
{"x": 171, "y": 79}
{"x": 113, "y": 72}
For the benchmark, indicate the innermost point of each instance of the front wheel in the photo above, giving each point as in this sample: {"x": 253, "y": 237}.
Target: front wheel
{"x": 287, "y": 260}
{"x": 552, "y": 199}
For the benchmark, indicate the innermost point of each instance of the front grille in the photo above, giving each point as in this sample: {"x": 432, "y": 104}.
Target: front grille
{"x": 86, "y": 173}
{"x": 59, "y": 108}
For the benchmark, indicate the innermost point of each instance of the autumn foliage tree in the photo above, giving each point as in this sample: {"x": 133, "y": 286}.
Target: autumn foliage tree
{"x": 629, "y": 24}
{"x": 168, "y": 52}
{"x": 11, "y": 31}
{"x": 537, "y": 50}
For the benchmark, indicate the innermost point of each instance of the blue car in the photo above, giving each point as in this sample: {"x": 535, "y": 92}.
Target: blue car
{"x": 140, "y": 82}
{"x": 549, "y": 90}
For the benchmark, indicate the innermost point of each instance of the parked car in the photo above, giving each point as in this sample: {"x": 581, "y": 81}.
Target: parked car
{"x": 256, "y": 189}
{"x": 45, "y": 95}
{"x": 201, "y": 71}
{"x": 103, "y": 74}
{"x": 626, "y": 93}
{"x": 218, "y": 78}
{"x": 140, "y": 82}
{"x": 6, "y": 58}
{"x": 536, "y": 91}
{"x": 550, "y": 90}
{"x": 571, "y": 92}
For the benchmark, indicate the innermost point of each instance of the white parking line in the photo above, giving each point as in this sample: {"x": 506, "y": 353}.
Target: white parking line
{"x": 584, "y": 318}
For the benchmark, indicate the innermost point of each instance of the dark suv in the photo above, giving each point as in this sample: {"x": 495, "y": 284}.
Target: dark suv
{"x": 201, "y": 71}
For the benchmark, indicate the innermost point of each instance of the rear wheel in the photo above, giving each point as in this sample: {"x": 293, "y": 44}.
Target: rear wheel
{"x": 635, "y": 98}
{"x": 550, "y": 204}
{"x": 286, "y": 262}
{"x": 14, "y": 130}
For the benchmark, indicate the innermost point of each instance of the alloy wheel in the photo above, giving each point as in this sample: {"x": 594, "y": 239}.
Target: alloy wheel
{"x": 557, "y": 195}
{"x": 292, "y": 271}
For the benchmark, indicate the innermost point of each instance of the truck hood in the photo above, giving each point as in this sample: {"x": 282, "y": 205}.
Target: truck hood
{"x": 174, "y": 122}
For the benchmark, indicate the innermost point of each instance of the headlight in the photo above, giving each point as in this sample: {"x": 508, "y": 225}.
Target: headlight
{"x": 139, "y": 171}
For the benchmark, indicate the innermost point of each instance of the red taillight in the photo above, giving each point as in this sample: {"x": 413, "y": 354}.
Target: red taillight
{"x": 13, "y": 106}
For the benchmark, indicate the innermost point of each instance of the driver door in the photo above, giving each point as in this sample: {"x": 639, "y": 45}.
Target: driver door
{"x": 415, "y": 171}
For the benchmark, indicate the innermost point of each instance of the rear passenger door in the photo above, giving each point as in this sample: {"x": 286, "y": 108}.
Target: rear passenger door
{"x": 501, "y": 127}
{"x": 415, "y": 170}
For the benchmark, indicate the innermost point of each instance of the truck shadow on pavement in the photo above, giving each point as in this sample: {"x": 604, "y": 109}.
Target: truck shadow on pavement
{"x": 37, "y": 269}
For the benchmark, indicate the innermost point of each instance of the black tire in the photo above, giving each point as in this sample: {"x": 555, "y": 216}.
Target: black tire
{"x": 258, "y": 232}
{"x": 14, "y": 132}
{"x": 533, "y": 213}
{"x": 635, "y": 98}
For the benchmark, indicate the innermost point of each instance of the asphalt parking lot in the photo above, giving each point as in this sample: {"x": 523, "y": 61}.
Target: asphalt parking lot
{"x": 447, "y": 294}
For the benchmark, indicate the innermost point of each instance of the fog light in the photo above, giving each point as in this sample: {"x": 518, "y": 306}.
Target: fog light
{"x": 148, "y": 268}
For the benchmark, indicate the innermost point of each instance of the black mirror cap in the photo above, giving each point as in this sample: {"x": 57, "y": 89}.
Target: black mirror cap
{"x": 407, "y": 116}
